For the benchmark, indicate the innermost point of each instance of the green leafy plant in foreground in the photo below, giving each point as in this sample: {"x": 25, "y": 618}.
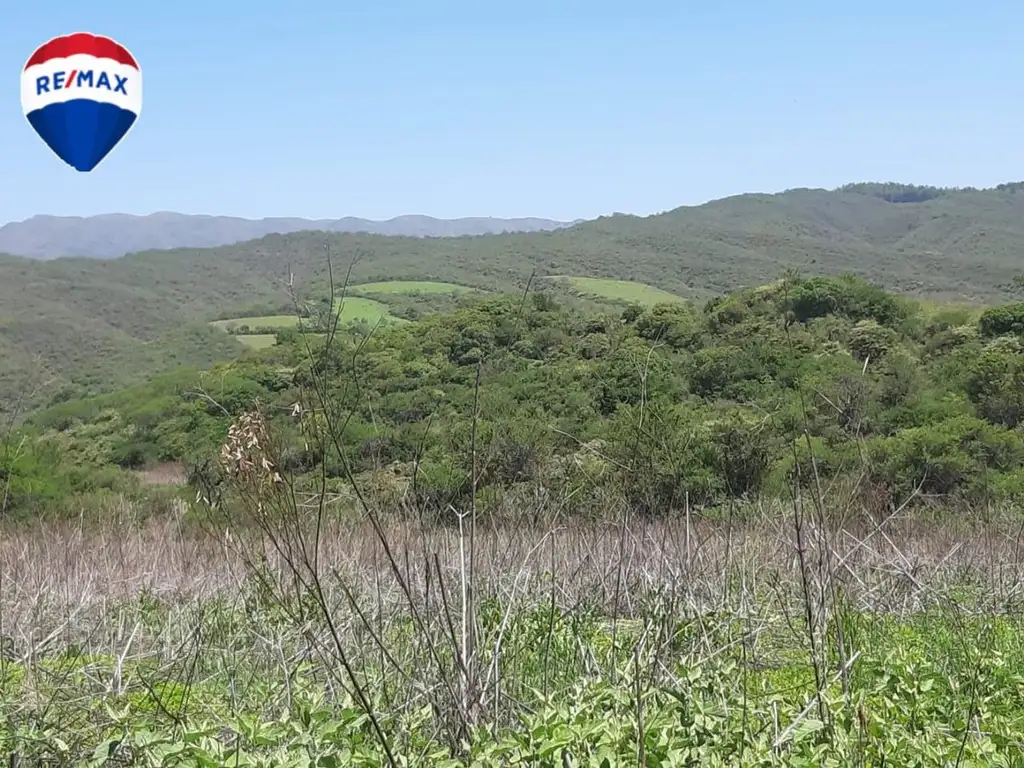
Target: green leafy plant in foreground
{"x": 918, "y": 695}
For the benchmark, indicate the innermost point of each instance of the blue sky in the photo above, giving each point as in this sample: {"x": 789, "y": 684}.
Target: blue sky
{"x": 555, "y": 109}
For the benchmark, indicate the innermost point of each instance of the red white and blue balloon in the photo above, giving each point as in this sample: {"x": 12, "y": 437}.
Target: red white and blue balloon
{"x": 81, "y": 93}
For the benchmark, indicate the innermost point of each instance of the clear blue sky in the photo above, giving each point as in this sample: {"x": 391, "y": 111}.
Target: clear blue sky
{"x": 556, "y": 109}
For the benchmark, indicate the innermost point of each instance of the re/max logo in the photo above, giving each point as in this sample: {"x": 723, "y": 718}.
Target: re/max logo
{"x": 82, "y": 78}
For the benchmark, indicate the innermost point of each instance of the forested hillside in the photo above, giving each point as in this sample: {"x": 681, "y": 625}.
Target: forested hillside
{"x": 676, "y": 403}
{"x": 95, "y": 325}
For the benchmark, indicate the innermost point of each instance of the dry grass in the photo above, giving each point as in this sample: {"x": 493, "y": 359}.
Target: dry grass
{"x": 167, "y": 473}
{"x": 233, "y": 617}
{"x": 70, "y": 578}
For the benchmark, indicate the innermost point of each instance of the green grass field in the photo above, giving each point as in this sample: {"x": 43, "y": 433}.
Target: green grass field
{"x": 352, "y": 308}
{"x": 257, "y": 340}
{"x": 621, "y": 290}
{"x": 358, "y": 308}
{"x": 411, "y": 286}
{"x": 967, "y": 312}
{"x": 266, "y": 321}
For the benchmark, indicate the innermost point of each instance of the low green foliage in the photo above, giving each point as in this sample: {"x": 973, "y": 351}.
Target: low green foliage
{"x": 925, "y": 690}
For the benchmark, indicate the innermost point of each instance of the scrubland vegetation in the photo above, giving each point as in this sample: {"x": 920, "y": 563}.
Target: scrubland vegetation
{"x": 678, "y": 401}
{"x": 457, "y": 511}
{"x": 779, "y": 527}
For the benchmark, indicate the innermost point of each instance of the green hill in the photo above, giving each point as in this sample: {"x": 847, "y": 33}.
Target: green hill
{"x": 729, "y": 389}
{"x": 92, "y": 325}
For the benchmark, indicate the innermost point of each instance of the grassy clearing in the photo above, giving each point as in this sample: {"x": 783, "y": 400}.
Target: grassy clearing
{"x": 265, "y": 321}
{"x": 961, "y": 312}
{"x": 264, "y": 340}
{"x": 621, "y": 290}
{"x": 257, "y": 340}
{"x": 667, "y": 644}
{"x": 355, "y": 308}
{"x": 411, "y": 287}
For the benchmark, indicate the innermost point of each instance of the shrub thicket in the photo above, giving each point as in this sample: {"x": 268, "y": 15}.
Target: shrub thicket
{"x": 688, "y": 403}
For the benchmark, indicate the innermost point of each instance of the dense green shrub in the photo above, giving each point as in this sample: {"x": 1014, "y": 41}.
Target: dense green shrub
{"x": 995, "y": 384}
{"x": 849, "y": 297}
{"x": 673, "y": 324}
{"x": 960, "y": 454}
{"x": 997, "y": 321}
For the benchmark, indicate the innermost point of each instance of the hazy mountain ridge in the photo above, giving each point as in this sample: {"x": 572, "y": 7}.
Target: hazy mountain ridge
{"x": 113, "y": 235}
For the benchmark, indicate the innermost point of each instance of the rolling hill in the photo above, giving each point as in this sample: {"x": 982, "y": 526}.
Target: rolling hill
{"x": 97, "y": 324}
{"x": 118, "y": 234}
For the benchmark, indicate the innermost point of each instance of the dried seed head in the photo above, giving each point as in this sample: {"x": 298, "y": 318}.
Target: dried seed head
{"x": 243, "y": 455}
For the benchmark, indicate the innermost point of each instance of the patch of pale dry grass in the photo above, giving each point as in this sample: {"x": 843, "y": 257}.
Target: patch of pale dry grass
{"x": 68, "y": 579}
{"x": 167, "y": 473}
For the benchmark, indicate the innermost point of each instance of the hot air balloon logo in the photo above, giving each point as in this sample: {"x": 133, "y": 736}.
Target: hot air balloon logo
{"x": 81, "y": 93}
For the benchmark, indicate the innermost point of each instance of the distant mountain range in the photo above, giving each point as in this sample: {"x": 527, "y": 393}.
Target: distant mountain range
{"x": 113, "y": 235}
